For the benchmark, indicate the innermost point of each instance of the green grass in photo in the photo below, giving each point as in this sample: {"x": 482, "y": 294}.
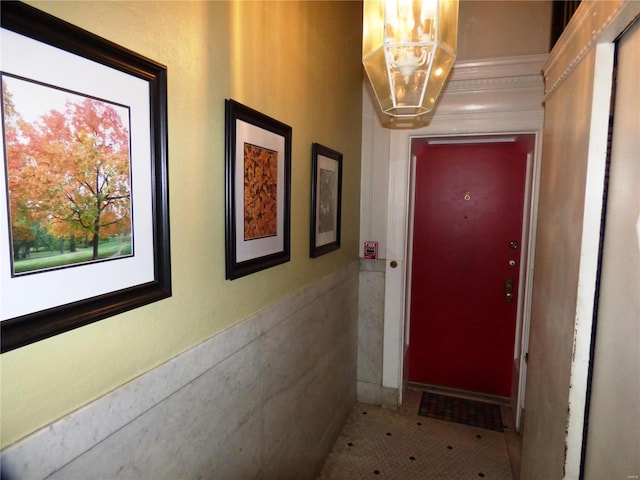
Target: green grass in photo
{"x": 113, "y": 247}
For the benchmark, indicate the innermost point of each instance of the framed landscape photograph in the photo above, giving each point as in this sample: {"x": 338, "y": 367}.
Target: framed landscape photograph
{"x": 326, "y": 200}
{"x": 257, "y": 190}
{"x": 84, "y": 210}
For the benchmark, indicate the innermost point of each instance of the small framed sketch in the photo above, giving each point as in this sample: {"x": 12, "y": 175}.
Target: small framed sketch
{"x": 257, "y": 189}
{"x": 84, "y": 206}
{"x": 326, "y": 200}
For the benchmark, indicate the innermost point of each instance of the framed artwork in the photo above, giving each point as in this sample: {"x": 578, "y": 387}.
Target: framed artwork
{"x": 84, "y": 207}
{"x": 326, "y": 200}
{"x": 257, "y": 190}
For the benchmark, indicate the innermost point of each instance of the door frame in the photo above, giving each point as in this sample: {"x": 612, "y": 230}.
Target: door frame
{"x": 397, "y": 270}
{"x": 496, "y": 96}
{"x": 499, "y": 96}
{"x": 527, "y": 239}
{"x": 397, "y": 284}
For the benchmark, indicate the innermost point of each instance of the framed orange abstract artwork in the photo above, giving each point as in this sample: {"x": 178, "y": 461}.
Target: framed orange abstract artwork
{"x": 257, "y": 202}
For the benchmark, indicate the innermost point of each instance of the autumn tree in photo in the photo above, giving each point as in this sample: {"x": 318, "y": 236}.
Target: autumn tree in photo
{"x": 82, "y": 163}
{"x": 69, "y": 171}
{"x": 20, "y": 211}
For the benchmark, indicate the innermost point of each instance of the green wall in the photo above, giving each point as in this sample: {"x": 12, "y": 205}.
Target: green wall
{"x": 298, "y": 62}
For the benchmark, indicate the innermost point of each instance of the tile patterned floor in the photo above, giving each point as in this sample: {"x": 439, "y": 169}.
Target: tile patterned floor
{"x": 379, "y": 443}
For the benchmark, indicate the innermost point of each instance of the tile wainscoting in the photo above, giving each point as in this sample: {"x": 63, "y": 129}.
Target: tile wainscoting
{"x": 265, "y": 399}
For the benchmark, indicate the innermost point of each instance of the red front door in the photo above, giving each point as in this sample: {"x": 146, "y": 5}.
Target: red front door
{"x": 465, "y": 264}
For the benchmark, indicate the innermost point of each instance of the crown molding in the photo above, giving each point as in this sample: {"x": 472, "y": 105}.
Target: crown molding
{"x": 503, "y": 84}
{"x": 498, "y": 67}
{"x": 496, "y": 74}
{"x": 497, "y": 83}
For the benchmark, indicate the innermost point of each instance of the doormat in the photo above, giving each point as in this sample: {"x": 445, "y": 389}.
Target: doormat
{"x": 461, "y": 410}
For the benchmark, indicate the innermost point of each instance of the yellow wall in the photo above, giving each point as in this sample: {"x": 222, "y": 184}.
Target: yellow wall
{"x": 298, "y": 62}
{"x": 503, "y": 28}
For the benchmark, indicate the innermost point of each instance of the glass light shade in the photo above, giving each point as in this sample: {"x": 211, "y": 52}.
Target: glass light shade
{"x": 408, "y": 49}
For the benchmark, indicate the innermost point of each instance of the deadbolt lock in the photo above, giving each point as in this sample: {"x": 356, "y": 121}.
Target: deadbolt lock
{"x": 513, "y": 244}
{"x": 508, "y": 290}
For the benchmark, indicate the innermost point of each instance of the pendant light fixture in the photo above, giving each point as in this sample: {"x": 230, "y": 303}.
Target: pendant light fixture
{"x": 408, "y": 50}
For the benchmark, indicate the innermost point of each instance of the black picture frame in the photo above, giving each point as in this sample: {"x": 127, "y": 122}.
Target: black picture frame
{"x": 148, "y": 164}
{"x": 326, "y": 200}
{"x": 257, "y": 191}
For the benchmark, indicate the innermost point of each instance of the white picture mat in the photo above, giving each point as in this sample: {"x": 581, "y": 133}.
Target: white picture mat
{"x": 326, "y": 163}
{"x": 259, "y": 247}
{"x": 22, "y": 56}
